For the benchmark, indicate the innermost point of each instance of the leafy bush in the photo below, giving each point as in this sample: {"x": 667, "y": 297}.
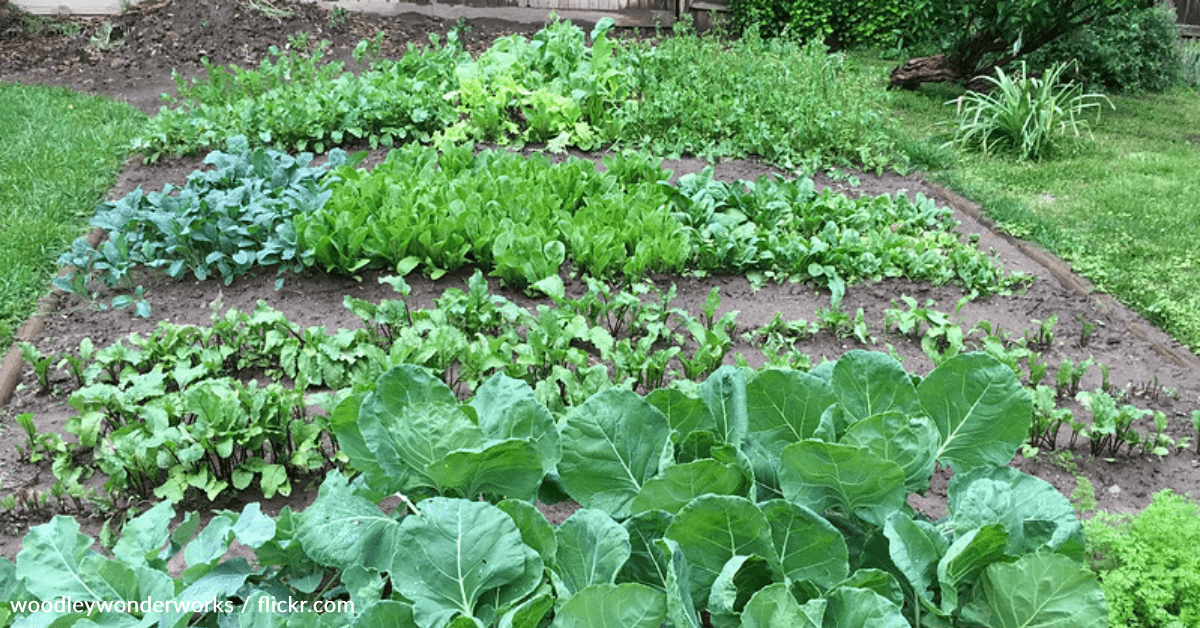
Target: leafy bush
{"x": 976, "y": 37}
{"x": 552, "y": 89}
{"x": 1023, "y": 114}
{"x": 792, "y": 105}
{"x": 1134, "y": 51}
{"x": 840, "y": 24}
{"x": 1148, "y": 564}
{"x": 754, "y": 498}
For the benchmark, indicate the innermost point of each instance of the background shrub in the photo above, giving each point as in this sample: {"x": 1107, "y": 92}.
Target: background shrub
{"x": 1148, "y": 565}
{"x": 838, "y": 24}
{"x": 1136, "y": 51}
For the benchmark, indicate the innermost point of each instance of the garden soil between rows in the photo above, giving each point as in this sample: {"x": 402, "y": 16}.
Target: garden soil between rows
{"x": 170, "y": 34}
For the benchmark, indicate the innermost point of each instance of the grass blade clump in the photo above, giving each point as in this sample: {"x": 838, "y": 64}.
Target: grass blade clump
{"x": 1023, "y": 115}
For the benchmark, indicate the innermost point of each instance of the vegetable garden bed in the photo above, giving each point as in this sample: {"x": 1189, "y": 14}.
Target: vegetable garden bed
{"x": 581, "y": 342}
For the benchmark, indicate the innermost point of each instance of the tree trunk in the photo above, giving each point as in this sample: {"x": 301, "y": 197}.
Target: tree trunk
{"x": 935, "y": 69}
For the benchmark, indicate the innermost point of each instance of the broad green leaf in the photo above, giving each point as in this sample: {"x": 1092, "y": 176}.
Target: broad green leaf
{"x": 679, "y": 484}
{"x": 528, "y": 614}
{"x": 909, "y": 441}
{"x": 511, "y": 468}
{"x": 221, "y": 582}
{"x": 714, "y": 528}
{"x": 774, "y": 606}
{"x": 1022, "y": 503}
{"x": 877, "y": 580}
{"x": 1037, "y": 591}
{"x": 343, "y": 421}
{"x": 412, "y": 420}
{"x": 980, "y": 409}
{"x": 386, "y": 614}
{"x": 628, "y": 605}
{"x": 915, "y": 548}
{"x": 363, "y": 584}
{"x": 211, "y": 544}
{"x": 739, "y": 579}
{"x": 254, "y": 529}
{"x": 612, "y": 444}
{"x": 49, "y": 561}
{"x": 862, "y": 608}
{"x": 966, "y": 558}
{"x": 591, "y": 549}
{"x": 507, "y": 409}
{"x": 724, "y": 392}
{"x": 685, "y": 414}
{"x": 341, "y": 529}
{"x": 681, "y": 609}
{"x": 647, "y": 563}
{"x": 499, "y": 393}
{"x": 868, "y": 383}
{"x": 822, "y": 475}
{"x": 144, "y": 536}
{"x": 453, "y": 552}
{"x": 785, "y": 407}
{"x": 809, "y": 547}
{"x": 536, "y": 532}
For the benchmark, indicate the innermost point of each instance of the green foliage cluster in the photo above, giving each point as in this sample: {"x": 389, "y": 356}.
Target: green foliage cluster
{"x": 524, "y": 218}
{"x": 170, "y": 412}
{"x": 773, "y": 229}
{"x": 976, "y": 37}
{"x": 521, "y": 218}
{"x": 1149, "y": 569}
{"x": 166, "y": 413}
{"x": 751, "y": 499}
{"x": 1134, "y": 51}
{"x": 224, "y": 221}
{"x": 1024, "y": 115}
{"x": 552, "y": 89}
{"x": 791, "y": 104}
{"x": 840, "y": 24}
{"x": 294, "y": 101}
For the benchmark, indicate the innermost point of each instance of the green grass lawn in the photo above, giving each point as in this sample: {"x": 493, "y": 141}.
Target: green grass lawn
{"x": 59, "y": 153}
{"x": 1123, "y": 205}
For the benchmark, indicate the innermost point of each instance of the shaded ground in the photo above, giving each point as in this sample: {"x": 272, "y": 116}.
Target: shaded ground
{"x": 174, "y": 34}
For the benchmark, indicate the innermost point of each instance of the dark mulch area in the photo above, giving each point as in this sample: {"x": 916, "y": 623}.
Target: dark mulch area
{"x": 173, "y": 35}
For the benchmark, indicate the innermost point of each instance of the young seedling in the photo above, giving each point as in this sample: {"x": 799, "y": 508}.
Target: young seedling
{"x": 1196, "y": 427}
{"x": 41, "y": 366}
{"x": 1043, "y": 337}
{"x": 77, "y": 363}
{"x": 1086, "y": 331}
{"x": 1069, "y": 376}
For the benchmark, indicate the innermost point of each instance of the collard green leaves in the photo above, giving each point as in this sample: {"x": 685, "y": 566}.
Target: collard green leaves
{"x": 611, "y": 447}
{"x": 980, "y": 409}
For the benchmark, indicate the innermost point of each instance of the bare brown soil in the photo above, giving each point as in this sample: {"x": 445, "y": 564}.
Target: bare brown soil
{"x": 173, "y": 34}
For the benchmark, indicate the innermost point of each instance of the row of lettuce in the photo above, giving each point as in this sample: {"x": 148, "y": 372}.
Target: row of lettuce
{"x": 754, "y": 498}
{"x": 791, "y": 105}
{"x": 522, "y": 219}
